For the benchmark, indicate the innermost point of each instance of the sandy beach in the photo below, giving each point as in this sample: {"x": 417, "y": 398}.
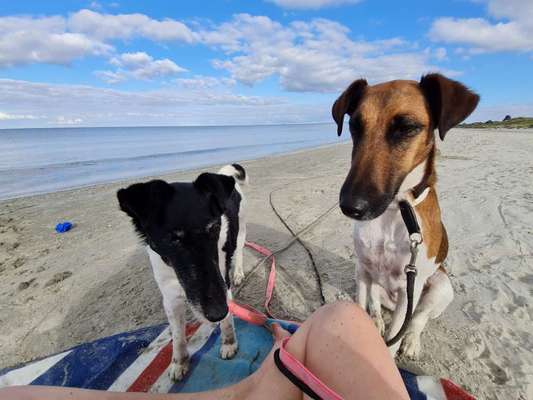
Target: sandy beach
{"x": 57, "y": 290}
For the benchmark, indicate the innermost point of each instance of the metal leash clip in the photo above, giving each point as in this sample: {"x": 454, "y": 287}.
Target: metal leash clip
{"x": 415, "y": 241}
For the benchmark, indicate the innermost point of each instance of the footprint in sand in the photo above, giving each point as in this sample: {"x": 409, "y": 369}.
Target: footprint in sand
{"x": 19, "y": 262}
{"x": 473, "y": 311}
{"x": 60, "y": 276}
{"x": 476, "y": 348}
{"x": 527, "y": 279}
{"x": 497, "y": 373}
{"x": 26, "y": 284}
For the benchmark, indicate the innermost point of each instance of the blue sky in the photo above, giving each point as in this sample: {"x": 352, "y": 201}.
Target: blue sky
{"x": 110, "y": 63}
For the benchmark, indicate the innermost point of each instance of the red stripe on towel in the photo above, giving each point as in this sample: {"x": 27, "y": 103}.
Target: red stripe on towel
{"x": 158, "y": 365}
{"x": 454, "y": 392}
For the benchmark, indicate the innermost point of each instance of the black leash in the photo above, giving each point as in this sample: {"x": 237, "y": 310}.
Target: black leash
{"x": 318, "y": 278}
{"x": 415, "y": 238}
{"x": 293, "y": 378}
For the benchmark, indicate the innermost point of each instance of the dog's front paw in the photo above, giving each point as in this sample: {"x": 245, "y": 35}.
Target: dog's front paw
{"x": 178, "y": 369}
{"x": 229, "y": 350}
{"x": 410, "y": 347}
{"x": 238, "y": 277}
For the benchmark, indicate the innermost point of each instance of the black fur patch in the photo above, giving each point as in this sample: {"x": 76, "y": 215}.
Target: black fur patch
{"x": 241, "y": 172}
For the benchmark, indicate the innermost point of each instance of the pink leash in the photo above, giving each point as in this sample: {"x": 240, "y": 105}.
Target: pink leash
{"x": 304, "y": 379}
{"x": 248, "y": 313}
{"x": 271, "y": 276}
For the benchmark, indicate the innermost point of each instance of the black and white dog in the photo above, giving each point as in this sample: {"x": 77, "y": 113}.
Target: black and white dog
{"x": 194, "y": 235}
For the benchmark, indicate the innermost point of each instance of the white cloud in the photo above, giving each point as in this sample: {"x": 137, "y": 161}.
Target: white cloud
{"x": 126, "y": 26}
{"x": 311, "y": 4}
{"x": 111, "y": 76}
{"x": 60, "y": 40}
{"x": 6, "y": 116}
{"x": 157, "y": 68}
{"x": 513, "y": 9}
{"x": 314, "y": 56}
{"x": 93, "y": 106}
{"x": 27, "y": 104}
{"x": 205, "y": 82}
{"x": 317, "y": 55}
{"x": 62, "y": 120}
{"x": 26, "y": 40}
{"x": 513, "y": 31}
{"x": 131, "y": 60}
{"x": 139, "y": 65}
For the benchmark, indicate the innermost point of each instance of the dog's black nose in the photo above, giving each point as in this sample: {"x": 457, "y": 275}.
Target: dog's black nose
{"x": 216, "y": 313}
{"x": 354, "y": 208}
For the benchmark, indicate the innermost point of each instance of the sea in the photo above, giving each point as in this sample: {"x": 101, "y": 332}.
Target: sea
{"x": 44, "y": 160}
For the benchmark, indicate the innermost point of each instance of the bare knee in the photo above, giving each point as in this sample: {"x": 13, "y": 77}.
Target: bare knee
{"x": 341, "y": 317}
{"x": 342, "y": 310}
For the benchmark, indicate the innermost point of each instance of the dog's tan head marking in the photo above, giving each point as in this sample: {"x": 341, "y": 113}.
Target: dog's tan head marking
{"x": 392, "y": 127}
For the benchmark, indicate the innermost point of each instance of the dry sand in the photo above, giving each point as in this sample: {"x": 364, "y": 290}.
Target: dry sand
{"x": 60, "y": 290}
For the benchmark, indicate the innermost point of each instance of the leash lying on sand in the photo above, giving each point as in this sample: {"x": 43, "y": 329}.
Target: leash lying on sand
{"x": 296, "y": 237}
{"x": 270, "y": 255}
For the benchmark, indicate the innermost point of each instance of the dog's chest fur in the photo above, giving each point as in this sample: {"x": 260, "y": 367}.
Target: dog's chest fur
{"x": 382, "y": 251}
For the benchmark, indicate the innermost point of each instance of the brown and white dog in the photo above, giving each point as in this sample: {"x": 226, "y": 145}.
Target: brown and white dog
{"x": 393, "y": 158}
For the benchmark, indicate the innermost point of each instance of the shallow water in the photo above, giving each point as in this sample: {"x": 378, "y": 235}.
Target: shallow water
{"x": 45, "y": 160}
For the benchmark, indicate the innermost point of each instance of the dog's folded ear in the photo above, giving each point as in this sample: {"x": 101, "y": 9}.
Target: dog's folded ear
{"x": 347, "y": 102}
{"x": 450, "y": 102}
{"x": 142, "y": 200}
{"x": 217, "y": 188}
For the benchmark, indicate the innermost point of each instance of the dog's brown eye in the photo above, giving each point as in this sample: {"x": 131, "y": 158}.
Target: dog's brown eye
{"x": 404, "y": 127}
{"x": 410, "y": 128}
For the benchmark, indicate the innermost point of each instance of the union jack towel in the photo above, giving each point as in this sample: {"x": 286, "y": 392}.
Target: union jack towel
{"x": 137, "y": 361}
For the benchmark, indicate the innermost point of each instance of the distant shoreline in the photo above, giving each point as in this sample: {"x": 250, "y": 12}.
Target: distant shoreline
{"x": 511, "y": 123}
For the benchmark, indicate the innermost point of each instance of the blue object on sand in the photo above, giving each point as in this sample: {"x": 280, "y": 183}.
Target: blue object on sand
{"x": 63, "y": 227}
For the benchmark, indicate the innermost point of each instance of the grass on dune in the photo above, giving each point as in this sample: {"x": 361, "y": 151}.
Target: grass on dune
{"x": 512, "y": 123}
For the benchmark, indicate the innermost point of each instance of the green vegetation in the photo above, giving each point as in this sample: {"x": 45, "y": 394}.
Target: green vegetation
{"x": 508, "y": 122}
